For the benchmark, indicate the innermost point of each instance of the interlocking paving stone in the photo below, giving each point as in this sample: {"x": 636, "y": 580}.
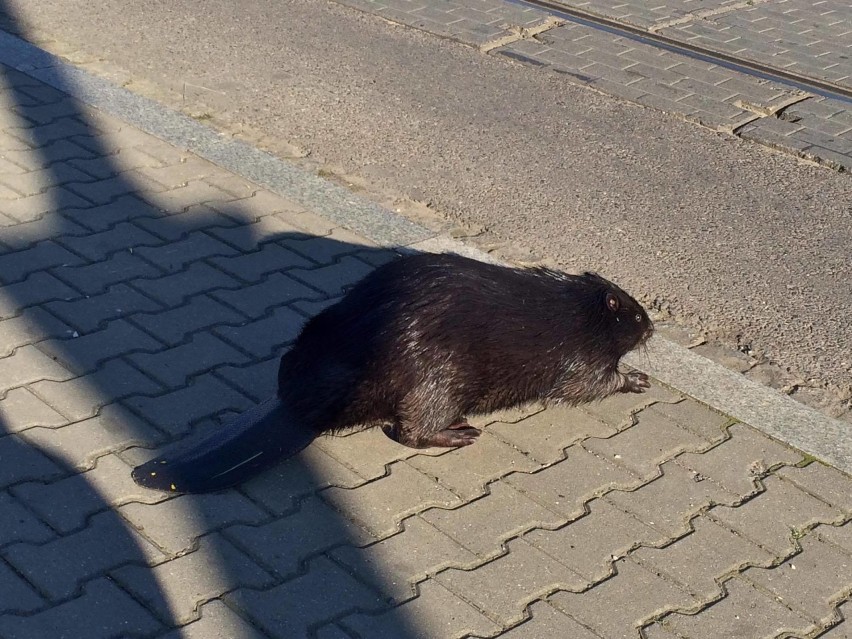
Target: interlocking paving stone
{"x": 737, "y": 462}
{"x": 36, "y": 289}
{"x": 58, "y": 567}
{"x": 745, "y": 612}
{"x": 643, "y": 447}
{"x": 808, "y": 582}
{"x": 840, "y": 536}
{"x": 18, "y": 595}
{"x": 483, "y": 524}
{"x": 275, "y": 290}
{"x": 546, "y": 621}
{"x": 87, "y": 314}
{"x": 175, "y": 365}
{"x": 175, "y": 524}
{"x": 467, "y": 470}
{"x": 590, "y": 544}
{"x": 15, "y": 267}
{"x": 178, "y": 586}
{"x": 107, "y": 484}
{"x": 380, "y": 505}
{"x": 32, "y": 325}
{"x": 565, "y": 487}
{"x": 324, "y": 592}
{"x": 596, "y": 608}
{"x": 668, "y": 502}
{"x": 394, "y": 564}
{"x": 545, "y": 435}
{"x": 279, "y": 488}
{"x": 18, "y": 524}
{"x": 524, "y": 574}
{"x": 80, "y": 443}
{"x": 20, "y": 409}
{"x": 21, "y": 462}
{"x": 266, "y": 336}
{"x": 436, "y": 612}
{"x": 775, "y": 517}
{"x": 827, "y": 483}
{"x": 314, "y": 528}
{"x": 702, "y": 557}
{"x": 217, "y": 622}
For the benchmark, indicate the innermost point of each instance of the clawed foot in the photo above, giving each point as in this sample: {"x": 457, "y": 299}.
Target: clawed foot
{"x": 453, "y": 436}
{"x": 635, "y": 382}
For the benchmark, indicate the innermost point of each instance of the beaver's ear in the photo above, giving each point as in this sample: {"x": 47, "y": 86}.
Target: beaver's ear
{"x": 612, "y": 302}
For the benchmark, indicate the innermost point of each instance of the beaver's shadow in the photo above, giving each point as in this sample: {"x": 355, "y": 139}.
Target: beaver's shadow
{"x": 164, "y": 321}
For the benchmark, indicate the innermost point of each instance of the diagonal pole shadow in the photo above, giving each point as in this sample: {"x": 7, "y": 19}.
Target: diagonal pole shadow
{"x": 139, "y": 302}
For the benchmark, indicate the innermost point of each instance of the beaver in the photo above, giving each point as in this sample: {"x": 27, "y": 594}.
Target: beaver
{"x": 416, "y": 346}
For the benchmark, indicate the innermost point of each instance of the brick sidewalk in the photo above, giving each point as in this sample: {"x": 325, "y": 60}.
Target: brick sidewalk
{"x": 146, "y": 293}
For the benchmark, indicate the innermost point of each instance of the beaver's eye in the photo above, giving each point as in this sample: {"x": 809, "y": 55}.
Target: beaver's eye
{"x": 637, "y": 317}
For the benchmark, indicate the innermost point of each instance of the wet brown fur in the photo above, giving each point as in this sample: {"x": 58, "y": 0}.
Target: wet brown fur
{"x": 426, "y": 340}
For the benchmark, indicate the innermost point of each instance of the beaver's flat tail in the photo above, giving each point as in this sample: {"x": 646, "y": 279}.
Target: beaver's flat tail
{"x": 249, "y": 443}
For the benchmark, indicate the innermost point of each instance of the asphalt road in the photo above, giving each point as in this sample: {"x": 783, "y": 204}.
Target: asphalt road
{"x": 746, "y": 244}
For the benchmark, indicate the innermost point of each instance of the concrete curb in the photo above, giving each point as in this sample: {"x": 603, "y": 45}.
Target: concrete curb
{"x": 729, "y": 392}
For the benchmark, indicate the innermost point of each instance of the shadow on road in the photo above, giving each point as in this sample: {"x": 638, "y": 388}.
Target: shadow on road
{"x": 146, "y": 326}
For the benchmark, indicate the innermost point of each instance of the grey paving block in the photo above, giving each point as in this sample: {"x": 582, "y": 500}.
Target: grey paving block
{"x": 217, "y": 621}
{"x": 326, "y": 591}
{"x": 699, "y": 561}
{"x": 524, "y": 573}
{"x": 32, "y": 325}
{"x": 654, "y": 440}
{"x": 81, "y": 397}
{"x": 266, "y": 336}
{"x": 175, "y": 325}
{"x": 334, "y": 279}
{"x": 180, "y": 584}
{"x": 746, "y": 611}
{"x": 105, "y": 216}
{"x": 257, "y": 299}
{"x": 15, "y": 236}
{"x": 175, "y": 525}
{"x": 591, "y": 544}
{"x": 52, "y": 199}
{"x": 81, "y": 443}
{"x": 739, "y": 460}
{"x": 178, "y": 225}
{"x": 194, "y": 192}
{"x": 117, "y": 614}
{"x": 669, "y": 502}
{"x": 59, "y": 151}
{"x": 19, "y": 524}
{"x": 566, "y": 486}
{"x": 174, "y": 366}
{"x": 18, "y": 595}
{"x": 36, "y": 289}
{"x": 396, "y": 563}
{"x": 88, "y": 314}
{"x": 172, "y": 290}
{"x": 34, "y": 182}
{"x": 825, "y": 482}
{"x": 249, "y": 235}
{"x": 286, "y": 543}
{"x": 380, "y": 505}
{"x": 485, "y": 523}
{"x": 83, "y": 354}
{"x": 20, "y": 409}
{"x": 436, "y": 612}
{"x": 106, "y": 485}
{"x": 777, "y": 517}
{"x": 98, "y": 246}
{"x": 28, "y": 364}
{"x": 269, "y": 258}
{"x": 175, "y": 411}
{"x": 257, "y": 380}
{"x": 811, "y": 581}
{"x": 546, "y": 621}
{"x": 96, "y": 278}
{"x": 611, "y": 608}
{"x": 280, "y": 488}
{"x": 61, "y": 566}
{"x": 466, "y": 471}
{"x": 177, "y": 255}
{"x": 695, "y": 417}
